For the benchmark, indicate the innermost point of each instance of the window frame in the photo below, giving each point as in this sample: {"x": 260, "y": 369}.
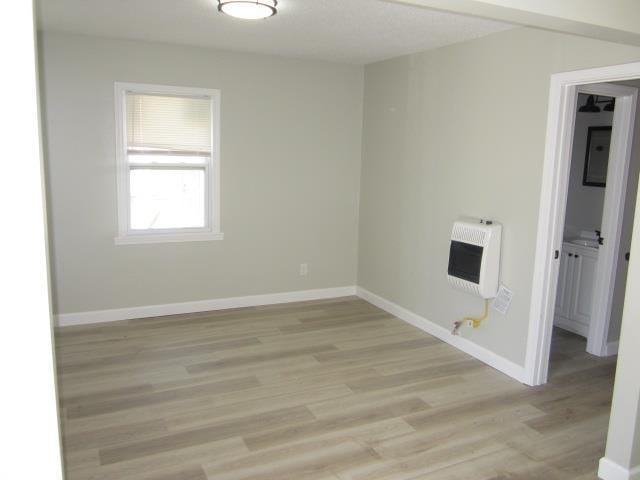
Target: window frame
{"x": 211, "y": 230}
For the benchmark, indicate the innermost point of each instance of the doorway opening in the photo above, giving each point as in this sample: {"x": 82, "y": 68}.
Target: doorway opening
{"x": 594, "y": 316}
{"x": 584, "y": 294}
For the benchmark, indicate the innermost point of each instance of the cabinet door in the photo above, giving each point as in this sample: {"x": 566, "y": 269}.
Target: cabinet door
{"x": 564, "y": 290}
{"x": 584, "y": 273}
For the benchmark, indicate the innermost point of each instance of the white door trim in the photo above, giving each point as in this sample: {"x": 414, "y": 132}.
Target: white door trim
{"x": 560, "y": 124}
{"x": 612, "y": 215}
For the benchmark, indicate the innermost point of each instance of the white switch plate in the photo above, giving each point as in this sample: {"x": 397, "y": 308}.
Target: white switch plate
{"x": 304, "y": 269}
{"x": 502, "y": 302}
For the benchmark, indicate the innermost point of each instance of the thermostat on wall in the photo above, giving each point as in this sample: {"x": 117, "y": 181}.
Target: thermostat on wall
{"x": 474, "y": 256}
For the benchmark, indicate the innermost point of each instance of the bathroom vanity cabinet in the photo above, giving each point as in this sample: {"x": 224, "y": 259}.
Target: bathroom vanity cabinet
{"x": 575, "y": 288}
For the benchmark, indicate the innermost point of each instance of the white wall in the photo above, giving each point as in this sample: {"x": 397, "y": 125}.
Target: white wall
{"x": 584, "y": 203}
{"x": 461, "y": 131}
{"x": 28, "y": 404}
{"x": 623, "y": 439}
{"x": 290, "y": 164}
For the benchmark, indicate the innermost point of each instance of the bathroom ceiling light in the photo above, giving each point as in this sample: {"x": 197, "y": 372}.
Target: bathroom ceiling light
{"x": 590, "y": 106}
{"x": 248, "y": 9}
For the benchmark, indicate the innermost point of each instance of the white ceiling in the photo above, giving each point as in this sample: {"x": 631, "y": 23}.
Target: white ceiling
{"x": 350, "y": 31}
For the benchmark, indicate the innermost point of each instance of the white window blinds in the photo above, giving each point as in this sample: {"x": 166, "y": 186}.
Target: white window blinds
{"x": 177, "y": 124}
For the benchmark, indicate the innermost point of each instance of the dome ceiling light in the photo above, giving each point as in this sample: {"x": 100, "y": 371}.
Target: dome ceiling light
{"x": 248, "y": 9}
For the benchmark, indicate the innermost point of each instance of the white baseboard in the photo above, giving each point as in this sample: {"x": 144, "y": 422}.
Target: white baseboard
{"x": 611, "y": 349}
{"x": 98, "y": 316}
{"x": 113, "y": 315}
{"x": 610, "y": 470}
{"x": 571, "y": 326}
{"x": 499, "y": 363}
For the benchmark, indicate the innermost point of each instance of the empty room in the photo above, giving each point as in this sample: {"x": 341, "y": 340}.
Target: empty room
{"x": 329, "y": 240}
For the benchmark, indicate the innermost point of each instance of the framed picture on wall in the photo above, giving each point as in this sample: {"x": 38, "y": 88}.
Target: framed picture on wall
{"x": 596, "y": 159}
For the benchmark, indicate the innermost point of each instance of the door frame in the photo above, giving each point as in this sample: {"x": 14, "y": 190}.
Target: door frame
{"x": 563, "y": 94}
{"x": 613, "y": 212}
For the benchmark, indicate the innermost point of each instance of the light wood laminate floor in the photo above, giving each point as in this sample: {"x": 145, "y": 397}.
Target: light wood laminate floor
{"x": 326, "y": 390}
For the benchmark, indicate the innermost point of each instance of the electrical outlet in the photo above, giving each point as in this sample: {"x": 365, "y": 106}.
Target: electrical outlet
{"x": 304, "y": 269}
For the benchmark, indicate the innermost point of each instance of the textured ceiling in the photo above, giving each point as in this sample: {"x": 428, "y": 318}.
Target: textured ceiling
{"x": 350, "y": 31}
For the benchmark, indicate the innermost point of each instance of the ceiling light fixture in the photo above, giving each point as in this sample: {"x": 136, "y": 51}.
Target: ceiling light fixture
{"x": 590, "y": 106}
{"x": 248, "y": 9}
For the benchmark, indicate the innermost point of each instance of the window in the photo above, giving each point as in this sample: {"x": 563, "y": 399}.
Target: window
{"x": 168, "y": 163}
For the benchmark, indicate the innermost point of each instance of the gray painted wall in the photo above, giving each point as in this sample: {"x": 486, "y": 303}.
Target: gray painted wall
{"x": 461, "y": 131}
{"x": 448, "y": 132}
{"x": 291, "y": 137}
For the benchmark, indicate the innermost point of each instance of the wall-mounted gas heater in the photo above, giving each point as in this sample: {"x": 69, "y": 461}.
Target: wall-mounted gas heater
{"x": 474, "y": 256}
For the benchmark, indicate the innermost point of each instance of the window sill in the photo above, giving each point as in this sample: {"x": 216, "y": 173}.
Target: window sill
{"x": 167, "y": 238}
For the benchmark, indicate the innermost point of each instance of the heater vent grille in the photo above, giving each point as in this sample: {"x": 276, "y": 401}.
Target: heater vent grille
{"x": 471, "y": 235}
